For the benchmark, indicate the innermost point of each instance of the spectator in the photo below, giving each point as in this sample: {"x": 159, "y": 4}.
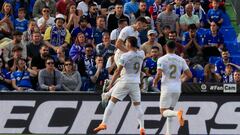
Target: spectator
{"x": 213, "y": 42}
{"x": 60, "y": 59}
{"x": 113, "y": 18}
{"x": 34, "y": 46}
{"x": 49, "y": 79}
{"x": 57, "y": 36}
{"x": 147, "y": 46}
{"x": 164, "y": 36}
{"x": 107, "y": 6}
{"x": 105, "y": 49}
{"x": 215, "y": 14}
{"x": 21, "y": 78}
{"x": 83, "y": 29}
{"x": 6, "y": 20}
{"x": 72, "y": 17}
{"x": 142, "y": 10}
{"x": 71, "y": 79}
{"x": 111, "y": 66}
{"x": 179, "y": 48}
{"x": 199, "y": 11}
{"x": 4, "y": 77}
{"x": 84, "y": 66}
{"x": 82, "y": 7}
{"x": 228, "y": 76}
{"x": 115, "y": 33}
{"x": 130, "y": 8}
{"x": 38, "y": 63}
{"x": 12, "y": 62}
{"x": 237, "y": 77}
{"x": 97, "y": 74}
{"x": 99, "y": 29}
{"x": 17, "y": 4}
{"x": 27, "y": 35}
{"x": 189, "y": 18}
{"x": 62, "y": 5}
{"x": 17, "y": 37}
{"x": 92, "y": 14}
{"x": 46, "y": 20}
{"x": 150, "y": 68}
{"x": 221, "y": 64}
{"x": 40, "y": 4}
{"x": 77, "y": 50}
{"x": 156, "y": 9}
{"x": 209, "y": 74}
{"x": 191, "y": 41}
{"x": 167, "y": 18}
{"x": 178, "y": 8}
{"x": 21, "y": 24}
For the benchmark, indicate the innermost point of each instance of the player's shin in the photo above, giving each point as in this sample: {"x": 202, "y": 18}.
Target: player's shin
{"x": 108, "y": 111}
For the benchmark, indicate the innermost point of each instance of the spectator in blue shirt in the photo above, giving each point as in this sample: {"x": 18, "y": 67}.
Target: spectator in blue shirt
{"x": 99, "y": 29}
{"x": 4, "y": 77}
{"x": 215, "y": 14}
{"x": 191, "y": 41}
{"x": 150, "y": 69}
{"x": 97, "y": 74}
{"x": 84, "y": 29}
{"x": 213, "y": 42}
{"x": 21, "y": 78}
{"x": 199, "y": 11}
{"x": 21, "y": 24}
{"x": 130, "y": 8}
{"x": 17, "y": 4}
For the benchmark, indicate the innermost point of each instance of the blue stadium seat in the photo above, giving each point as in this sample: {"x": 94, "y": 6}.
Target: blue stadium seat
{"x": 226, "y": 20}
{"x": 213, "y": 59}
{"x": 236, "y": 59}
{"x": 229, "y": 33}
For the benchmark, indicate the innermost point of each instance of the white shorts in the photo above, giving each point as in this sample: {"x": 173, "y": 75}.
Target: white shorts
{"x": 121, "y": 90}
{"x": 169, "y": 99}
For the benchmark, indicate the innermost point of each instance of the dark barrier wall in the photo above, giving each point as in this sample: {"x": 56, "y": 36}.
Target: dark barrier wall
{"x": 236, "y": 6}
{"x": 79, "y": 113}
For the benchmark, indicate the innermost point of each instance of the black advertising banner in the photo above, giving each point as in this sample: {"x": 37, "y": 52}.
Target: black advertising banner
{"x": 79, "y": 113}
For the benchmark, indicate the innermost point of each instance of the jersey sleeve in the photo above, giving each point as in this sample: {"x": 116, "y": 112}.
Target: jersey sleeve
{"x": 122, "y": 60}
{"x": 185, "y": 66}
{"x": 160, "y": 64}
{"x": 123, "y": 35}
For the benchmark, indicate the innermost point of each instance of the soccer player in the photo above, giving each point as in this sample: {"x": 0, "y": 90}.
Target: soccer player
{"x": 128, "y": 83}
{"x": 169, "y": 69}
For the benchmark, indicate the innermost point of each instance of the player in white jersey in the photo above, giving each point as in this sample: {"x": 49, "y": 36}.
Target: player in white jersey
{"x": 128, "y": 83}
{"x": 170, "y": 68}
{"x": 127, "y": 31}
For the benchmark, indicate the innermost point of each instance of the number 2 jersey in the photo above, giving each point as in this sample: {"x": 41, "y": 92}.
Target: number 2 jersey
{"x": 132, "y": 64}
{"x": 172, "y": 66}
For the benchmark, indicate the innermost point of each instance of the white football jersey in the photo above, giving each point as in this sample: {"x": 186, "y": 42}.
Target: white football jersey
{"x": 132, "y": 64}
{"x": 172, "y": 66}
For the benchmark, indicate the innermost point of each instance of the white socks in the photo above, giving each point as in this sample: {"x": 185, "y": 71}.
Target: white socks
{"x": 108, "y": 111}
{"x": 170, "y": 113}
{"x": 139, "y": 115}
{"x": 169, "y": 127}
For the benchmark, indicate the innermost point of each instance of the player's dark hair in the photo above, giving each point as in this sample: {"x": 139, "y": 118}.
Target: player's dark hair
{"x": 133, "y": 41}
{"x": 171, "y": 44}
{"x": 192, "y": 27}
{"x": 155, "y": 47}
{"x": 141, "y": 19}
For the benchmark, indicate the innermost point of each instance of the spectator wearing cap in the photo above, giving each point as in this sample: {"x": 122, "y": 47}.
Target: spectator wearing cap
{"x": 99, "y": 29}
{"x": 62, "y": 5}
{"x": 147, "y": 46}
{"x": 115, "y": 33}
{"x": 8, "y": 50}
{"x": 107, "y": 6}
{"x": 113, "y": 18}
{"x": 189, "y": 18}
{"x": 46, "y": 20}
{"x": 142, "y": 10}
{"x": 49, "y": 78}
{"x": 83, "y": 28}
{"x": 106, "y": 49}
{"x": 167, "y": 18}
{"x": 11, "y": 63}
{"x": 92, "y": 14}
{"x": 40, "y": 4}
{"x": 57, "y": 36}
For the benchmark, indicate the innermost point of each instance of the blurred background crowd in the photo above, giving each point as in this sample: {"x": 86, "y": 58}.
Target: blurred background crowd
{"x": 69, "y": 45}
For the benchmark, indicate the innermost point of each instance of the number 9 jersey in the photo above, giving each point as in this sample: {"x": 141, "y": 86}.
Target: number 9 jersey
{"x": 172, "y": 67}
{"x": 132, "y": 64}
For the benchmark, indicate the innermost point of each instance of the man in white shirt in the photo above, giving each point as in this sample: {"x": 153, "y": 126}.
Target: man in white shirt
{"x": 46, "y": 20}
{"x": 170, "y": 68}
{"x": 128, "y": 83}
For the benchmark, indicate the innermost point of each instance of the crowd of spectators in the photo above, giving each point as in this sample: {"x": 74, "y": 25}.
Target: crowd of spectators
{"x": 69, "y": 45}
